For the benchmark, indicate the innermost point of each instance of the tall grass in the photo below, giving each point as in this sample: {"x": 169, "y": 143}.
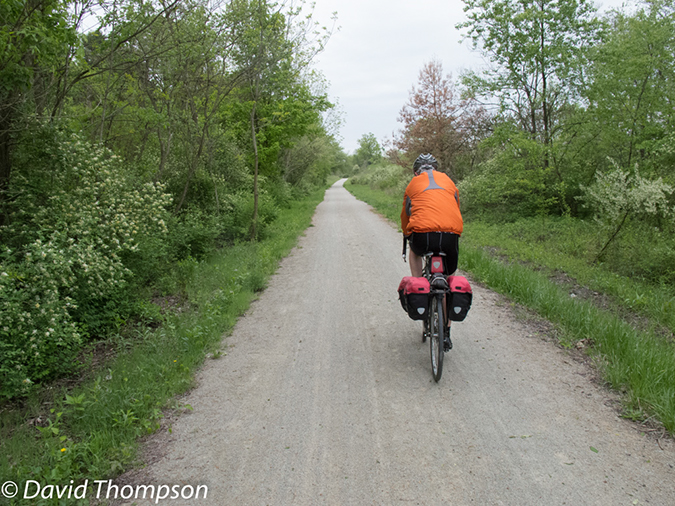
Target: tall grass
{"x": 636, "y": 362}
{"x": 566, "y": 245}
{"x": 91, "y": 430}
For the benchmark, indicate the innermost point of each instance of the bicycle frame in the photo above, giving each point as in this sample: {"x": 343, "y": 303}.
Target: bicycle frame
{"x": 435, "y": 324}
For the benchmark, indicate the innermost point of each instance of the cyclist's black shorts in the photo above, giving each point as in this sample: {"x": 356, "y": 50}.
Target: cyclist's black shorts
{"x": 435, "y": 242}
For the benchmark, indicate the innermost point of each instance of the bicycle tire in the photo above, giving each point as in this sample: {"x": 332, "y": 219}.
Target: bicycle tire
{"x": 436, "y": 337}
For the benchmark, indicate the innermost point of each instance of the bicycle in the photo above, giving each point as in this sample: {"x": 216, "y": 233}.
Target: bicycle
{"x": 435, "y": 324}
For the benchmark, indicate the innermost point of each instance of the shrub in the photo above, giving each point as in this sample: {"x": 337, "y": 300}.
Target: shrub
{"x": 385, "y": 177}
{"x": 618, "y": 196}
{"x": 193, "y": 234}
{"x": 513, "y": 182}
{"x": 76, "y": 211}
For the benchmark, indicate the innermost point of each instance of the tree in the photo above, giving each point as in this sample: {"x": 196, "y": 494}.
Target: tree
{"x": 34, "y": 36}
{"x": 39, "y": 46}
{"x": 538, "y": 52}
{"x": 631, "y": 92}
{"x": 163, "y": 92}
{"x": 273, "y": 50}
{"x": 368, "y": 152}
{"x": 436, "y": 120}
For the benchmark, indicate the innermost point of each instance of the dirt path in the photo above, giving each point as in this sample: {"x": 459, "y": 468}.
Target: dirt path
{"x": 325, "y": 396}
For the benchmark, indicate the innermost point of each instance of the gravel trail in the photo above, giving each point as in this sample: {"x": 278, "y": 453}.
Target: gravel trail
{"x": 325, "y": 396}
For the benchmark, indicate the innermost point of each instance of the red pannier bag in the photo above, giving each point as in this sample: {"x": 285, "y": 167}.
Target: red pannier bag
{"x": 458, "y": 300}
{"x": 414, "y": 296}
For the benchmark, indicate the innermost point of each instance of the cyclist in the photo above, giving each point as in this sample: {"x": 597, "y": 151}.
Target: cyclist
{"x": 430, "y": 219}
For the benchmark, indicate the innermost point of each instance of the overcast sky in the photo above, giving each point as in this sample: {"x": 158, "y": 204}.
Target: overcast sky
{"x": 374, "y": 60}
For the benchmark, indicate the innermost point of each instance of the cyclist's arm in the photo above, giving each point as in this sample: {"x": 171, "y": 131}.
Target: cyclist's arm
{"x": 405, "y": 214}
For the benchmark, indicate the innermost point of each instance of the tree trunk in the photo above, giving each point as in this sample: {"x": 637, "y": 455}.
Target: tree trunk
{"x": 544, "y": 92}
{"x": 5, "y": 160}
{"x": 164, "y": 148}
{"x": 193, "y": 169}
{"x": 254, "y": 222}
{"x": 613, "y": 236}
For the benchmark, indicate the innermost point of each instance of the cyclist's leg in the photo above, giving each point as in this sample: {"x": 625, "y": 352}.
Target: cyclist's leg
{"x": 450, "y": 246}
{"x": 417, "y": 244}
{"x": 416, "y": 266}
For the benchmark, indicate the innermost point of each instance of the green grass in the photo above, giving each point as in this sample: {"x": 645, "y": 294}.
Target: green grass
{"x": 91, "y": 430}
{"x": 386, "y": 203}
{"x": 520, "y": 260}
{"x": 332, "y": 179}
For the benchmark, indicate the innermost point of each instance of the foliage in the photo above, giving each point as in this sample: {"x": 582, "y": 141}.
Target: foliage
{"x": 275, "y": 100}
{"x": 313, "y": 157}
{"x": 93, "y": 429}
{"x": 573, "y": 90}
{"x": 619, "y": 195}
{"x": 538, "y": 51}
{"x": 369, "y": 151}
{"x": 393, "y": 178}
{"x": 512, "y": 182}
{"x": 33, "y": 37}
{"x": 437, "y": 121}
{"x": 631, "y": 92}
{"x": 89, "y": 232}
{"x": 64, "y": 248}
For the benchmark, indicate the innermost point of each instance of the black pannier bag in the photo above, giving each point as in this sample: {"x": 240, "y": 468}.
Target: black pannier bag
{"x": 414, "y": 296}
{"x": 458, "y": 300}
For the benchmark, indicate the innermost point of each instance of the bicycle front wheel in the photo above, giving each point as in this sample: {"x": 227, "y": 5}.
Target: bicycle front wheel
{"x": 436, "y": 337}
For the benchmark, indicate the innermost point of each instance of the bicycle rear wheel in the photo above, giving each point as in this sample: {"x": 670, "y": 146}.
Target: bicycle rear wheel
{"x": 436, "y": 337}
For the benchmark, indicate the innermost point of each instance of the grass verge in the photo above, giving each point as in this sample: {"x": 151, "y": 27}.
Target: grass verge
{"x": 636, "y": 362}
{"x": 90, "y": 431}
{"x": 561, "y": 245}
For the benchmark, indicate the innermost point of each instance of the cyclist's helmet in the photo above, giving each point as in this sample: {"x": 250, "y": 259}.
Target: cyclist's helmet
{"x": 424, "y": 162}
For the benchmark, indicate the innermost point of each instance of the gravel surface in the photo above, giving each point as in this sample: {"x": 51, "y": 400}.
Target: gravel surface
{"x": 325, "y": 396}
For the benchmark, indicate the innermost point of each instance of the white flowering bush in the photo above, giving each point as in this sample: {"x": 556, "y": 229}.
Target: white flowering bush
{"x": 619, "y": 195}
{"x": 76, "y": 212}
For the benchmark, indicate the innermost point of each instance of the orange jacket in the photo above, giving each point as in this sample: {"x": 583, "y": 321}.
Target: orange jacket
{"x": 431, "y": 204}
